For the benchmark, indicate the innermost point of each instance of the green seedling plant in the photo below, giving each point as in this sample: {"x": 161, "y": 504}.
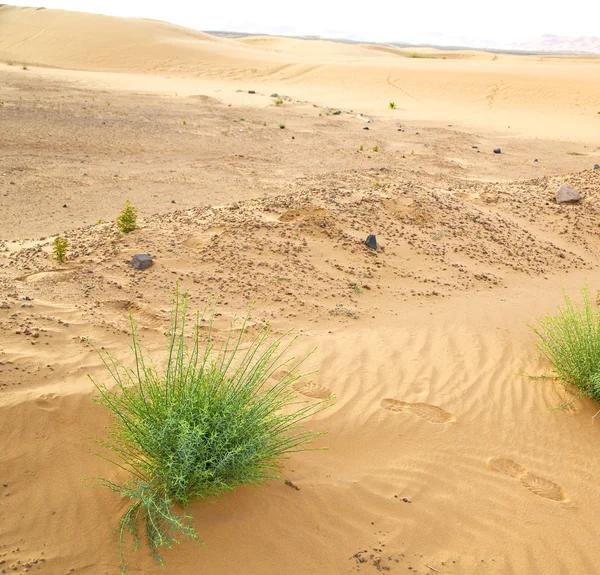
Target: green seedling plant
{"x": 127, "y": 220}
{"x": 570, "y": 340}
{"x": 392, "y": 105}
{"x": 278, "y": 101}
{"x": 213, "y": 419}
{"x": 376, "y": 148}
{"x": 59, "y": 249}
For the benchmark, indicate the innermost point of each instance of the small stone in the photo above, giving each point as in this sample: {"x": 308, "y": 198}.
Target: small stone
{"x": 251, "y": 92}
{"x": 235, "y": 206}
{"x": 535, "y": 161}
{"x": 371, "y": 241}
{"x": 64, "y": 205}
{"x": 141, "y": 261}
{"x": 366, "y": 128}
{"x": 596, "y": 166}
{"x": 274, "y": 95}
{"x": 566, "y": 194}
{"x": 173, "y": 201}
{"x": 497, "y": 151}
{"x": 474, "y": 147}
{"x": 337, "y": 113}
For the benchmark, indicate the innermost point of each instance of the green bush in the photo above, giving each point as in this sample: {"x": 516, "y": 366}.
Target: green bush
{"x": 208, "y": 422}
{"x": 571, "y": 342}
{"x": 127, "y": 220}
{"x": 392, "y": 105}
{"x": 59, "y": 249}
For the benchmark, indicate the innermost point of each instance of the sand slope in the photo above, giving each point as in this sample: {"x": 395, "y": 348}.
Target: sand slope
{"x": 540, "y": 96}
{"x": 443, "y": 457}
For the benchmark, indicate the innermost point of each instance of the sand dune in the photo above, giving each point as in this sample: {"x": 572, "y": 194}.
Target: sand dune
{"x": 443, "y": 457}
{"x": 474, "y": 88}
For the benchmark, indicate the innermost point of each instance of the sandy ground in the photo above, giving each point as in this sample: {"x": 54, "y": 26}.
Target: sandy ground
{"x": 442, "y": 456}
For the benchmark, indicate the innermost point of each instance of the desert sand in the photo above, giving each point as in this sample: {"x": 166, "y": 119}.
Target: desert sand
{"x": 442, "y": 456}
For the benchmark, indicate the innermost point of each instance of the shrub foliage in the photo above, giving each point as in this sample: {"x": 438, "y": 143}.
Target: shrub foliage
{"x": 59, "y": 249}
{"x": 210, "y": 421}
{"x": 127, "y": 219}
{"x": 571, "y": 342}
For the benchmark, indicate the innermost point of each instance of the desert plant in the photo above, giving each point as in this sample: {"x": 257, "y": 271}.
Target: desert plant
{"x": 59, "y": 249}
{"x": 376, "y": 148}
{"x": 570, "y": 340}
{"x": 392, "y": 105}
{"x": 127, "y": 219}
{"x": 207, "y": 423}
{"x": 361, "y": 148}
{"x": 277, "y": 101}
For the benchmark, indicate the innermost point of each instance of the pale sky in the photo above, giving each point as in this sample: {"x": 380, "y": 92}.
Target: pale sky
{"x": 500, "y": 21}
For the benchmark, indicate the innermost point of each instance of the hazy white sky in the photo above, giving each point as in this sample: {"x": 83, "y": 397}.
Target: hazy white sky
{"x": 503, "y": 21}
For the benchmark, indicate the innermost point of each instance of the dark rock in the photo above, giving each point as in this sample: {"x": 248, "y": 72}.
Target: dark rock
{"x": 497, "y": 151}
{"x": 337, "y": 112}
{"x": 474, "y": 147}
{"x": 366, "y": 128}
{"x": 173, "y": 201}
{"x": 274, "y": 95}
{"x": 566, "y": 194}
{"x": 596, "y": 166}
{"x": 64, "y": 205}
{"x": 371, "y": 241}
{"x": 251, "y": 92}
{"x": 141, "y": 261}
{"x": 535, "y": 161}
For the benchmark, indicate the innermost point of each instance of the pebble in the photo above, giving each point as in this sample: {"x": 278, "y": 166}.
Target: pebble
{"x": 497, "y": 151}
{"x": 567, "y": 194}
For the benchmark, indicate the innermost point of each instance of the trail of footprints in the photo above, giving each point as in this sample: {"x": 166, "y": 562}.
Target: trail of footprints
{"x": 537, "y": 485}
{"x": 431, "y": 413}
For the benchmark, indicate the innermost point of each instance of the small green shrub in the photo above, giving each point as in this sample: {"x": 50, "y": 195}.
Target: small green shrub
{"x": 361, "y": 148}
{"x": 570, "y": 340}
{"x": 392, "y": 105}
{"x": 278, "y": 101}
{"x": 376, "y": 148}
{"x": 207, "y": 423}
{"x": 59, "y": 249}
{"x": 127, "y": 220}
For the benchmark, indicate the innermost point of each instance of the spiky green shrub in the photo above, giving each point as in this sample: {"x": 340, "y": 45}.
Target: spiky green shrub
{"x": 570, "y": 340}
{"x": 210, "y": 421}
{"x": 392, "y": 105}
{"x": 59, "y": 249}
{"x": 127, "y": 219}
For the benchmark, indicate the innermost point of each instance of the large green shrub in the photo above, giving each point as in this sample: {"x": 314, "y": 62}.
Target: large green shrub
{"x": 208, "y": 422}
{"x": 570, "y": 340}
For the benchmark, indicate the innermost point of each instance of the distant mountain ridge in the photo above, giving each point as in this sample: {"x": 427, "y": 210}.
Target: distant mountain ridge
{"x": 554, "y": 43}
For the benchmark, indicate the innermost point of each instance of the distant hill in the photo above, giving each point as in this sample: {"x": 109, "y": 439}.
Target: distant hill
{"x": 554, "y": 43}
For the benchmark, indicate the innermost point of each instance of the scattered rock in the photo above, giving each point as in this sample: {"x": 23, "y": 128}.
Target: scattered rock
{"x": 497, "y": 151}
{"x": 535, "y": 161}
{"x": 337, "y": 112}
{"x": 371, "y": 241}
{"x": 274, "y": 95}
{"x": 474, "y": 147}
{"x": 566, "y": 194}
{"x": 235, "y": 206}
{"x": 251, "y": 92}
{"x": 173, "y": 201}
{"x": 596, "y": 166}
{"x": 141, "y": 261}
{"x": 366, "y": 128}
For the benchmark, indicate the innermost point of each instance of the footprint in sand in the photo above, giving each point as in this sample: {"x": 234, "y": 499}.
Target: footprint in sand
{"x": 313, "y": 390}
{"x": 431, "y": 413}
{"x": 537, "y": 485}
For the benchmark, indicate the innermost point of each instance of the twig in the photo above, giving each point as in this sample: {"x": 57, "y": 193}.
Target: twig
{"x": 594, "y": 416}
{"x": 432, "y": 568}
{"x": 291, "y": 484}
